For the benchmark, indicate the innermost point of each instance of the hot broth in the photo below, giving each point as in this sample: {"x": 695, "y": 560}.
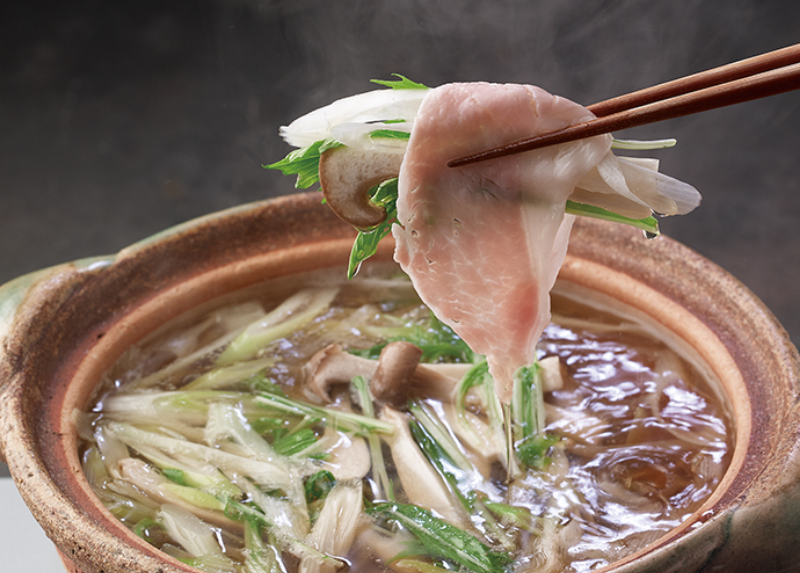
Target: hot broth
{"x": 249, "y": 436}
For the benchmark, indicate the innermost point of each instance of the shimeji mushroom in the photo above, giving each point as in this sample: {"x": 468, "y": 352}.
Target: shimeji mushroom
{"x": 332, "y": 365}
{"x": 421, "y": 483}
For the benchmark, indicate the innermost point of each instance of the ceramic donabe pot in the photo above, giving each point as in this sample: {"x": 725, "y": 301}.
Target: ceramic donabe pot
{"x": 61, "y": 328}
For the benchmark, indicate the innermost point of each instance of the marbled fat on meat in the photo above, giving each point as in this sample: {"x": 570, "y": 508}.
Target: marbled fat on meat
{"x": 483, "y": 243}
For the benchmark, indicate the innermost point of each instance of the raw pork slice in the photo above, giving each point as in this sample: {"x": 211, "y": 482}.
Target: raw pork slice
{"x": 483, "y": 243}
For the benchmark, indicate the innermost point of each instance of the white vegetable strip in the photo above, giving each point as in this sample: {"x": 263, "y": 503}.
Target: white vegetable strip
{"x": 290, "y": 519}
{"x": 229, "y": 375}
{"x": 111, "y": 451}
{"x": 200, "y": 475}
{"x": 270, "y": 474}
{"x": 226, "y": 422}
{"x": 138, "y": 476}
{"x": 335, "y": 529}
{"x": 187, "y": 529}
{"x": 352, "y": 120}
{"x": 289, "y": 317}
{"x": 376, "y": 105}
{"x": 420, "y": 481}
{"x": 643, "y": 145}
{"x": 232, "y": 321}
{"x": 359, "y": 136}
{"x": 173, "y": 409}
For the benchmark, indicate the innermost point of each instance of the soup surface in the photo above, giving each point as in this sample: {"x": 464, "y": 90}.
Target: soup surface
{"x": 289, "y": 428}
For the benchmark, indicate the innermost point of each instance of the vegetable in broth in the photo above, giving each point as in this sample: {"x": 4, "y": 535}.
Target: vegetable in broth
{"x": 289, "y": 428}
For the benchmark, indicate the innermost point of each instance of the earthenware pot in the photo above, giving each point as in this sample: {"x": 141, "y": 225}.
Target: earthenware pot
{"x": 60, "y": 328}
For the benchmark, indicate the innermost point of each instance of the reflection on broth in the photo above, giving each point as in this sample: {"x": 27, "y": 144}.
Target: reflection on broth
{"x": 275, "y": 430}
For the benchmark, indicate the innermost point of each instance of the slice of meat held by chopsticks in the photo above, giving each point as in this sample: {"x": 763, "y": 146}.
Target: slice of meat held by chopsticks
{"x": 482, "y": 245}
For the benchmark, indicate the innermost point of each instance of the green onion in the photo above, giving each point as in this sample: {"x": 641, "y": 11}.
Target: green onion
{"x": 649, "y": 224}
{"x": 195, "y": 496}
{"x": 229, "y": 375}
{"x": 643, "y": 145}
{"x": 361, "y": 425}
{"x": 142, "y": 528}
{"x": 290, "y": 316}
{"x": 382, "y": 481}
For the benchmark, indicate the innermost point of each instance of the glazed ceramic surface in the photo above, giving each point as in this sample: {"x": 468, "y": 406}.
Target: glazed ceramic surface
{"x": 61, "y": 328}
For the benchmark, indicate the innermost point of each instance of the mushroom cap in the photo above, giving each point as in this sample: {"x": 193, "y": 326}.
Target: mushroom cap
{"x": 396, "y": 366}
{"x": 346, "y": 176}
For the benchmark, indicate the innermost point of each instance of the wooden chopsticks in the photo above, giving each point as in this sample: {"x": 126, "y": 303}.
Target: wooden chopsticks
{"x": 753, "y": 78}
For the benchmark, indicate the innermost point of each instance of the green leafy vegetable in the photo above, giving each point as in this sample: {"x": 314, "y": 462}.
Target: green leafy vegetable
{"x": 319, "y": 485}
{"x": 389, "y": 134}
{"x": 527, "y": 412}
{"x": 250, "y": 513}
{"x": 532, "y": 451}
{"x": 260, "y": 557}
{"x": 445, "y": 454}
{"x": 260, "y": 383}
{"x": 510, "y": 514}
{"x": 345, "y": 420}
{"x": 444, "y": 540}
{"x": 304, "y": 162}
{"x": 438, "y": 457}
{"x": 478, "y": 377}
{"x": 292, "y": 443}
{"x": 439, "y": 343}
{"x": 400, "y": 84}
{"x": 366, "y": 243}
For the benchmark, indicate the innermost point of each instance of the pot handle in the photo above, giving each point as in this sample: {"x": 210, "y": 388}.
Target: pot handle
{"x": 13, "y": 310}
{"x": 12, "y": 296}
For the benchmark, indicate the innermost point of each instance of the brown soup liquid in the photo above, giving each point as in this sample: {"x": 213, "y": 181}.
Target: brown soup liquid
{"x": 640, "y": 439}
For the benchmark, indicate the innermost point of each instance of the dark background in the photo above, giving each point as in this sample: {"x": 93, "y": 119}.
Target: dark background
{"x": 119, "y": 119}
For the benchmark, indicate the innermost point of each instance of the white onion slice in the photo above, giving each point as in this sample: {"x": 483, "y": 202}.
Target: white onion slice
{"x": 374, "y": 106}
